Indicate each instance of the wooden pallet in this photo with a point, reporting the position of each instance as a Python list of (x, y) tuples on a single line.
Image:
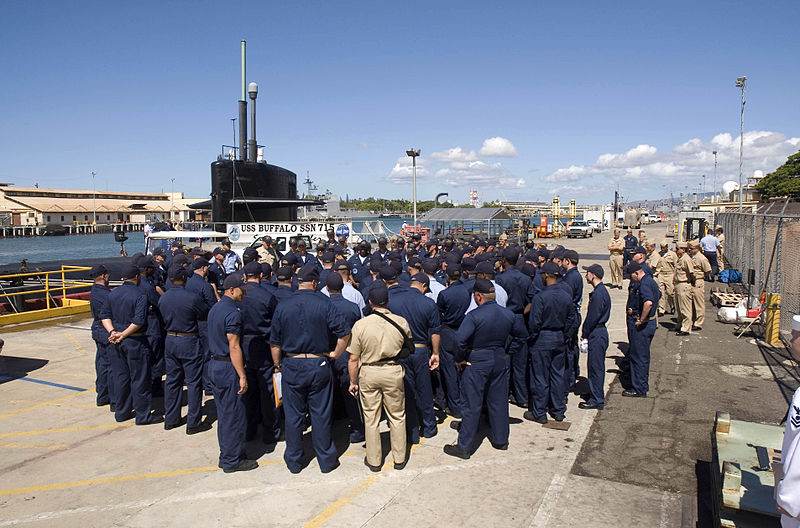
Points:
[(726, 298)]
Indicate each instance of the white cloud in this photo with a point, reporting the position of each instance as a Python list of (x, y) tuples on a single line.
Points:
[(454, 154), (462, 167), (638, 153), (403, 170), (571, 173), (687, 162), (479, 174), (567, 188), (366, 145), (498, 147)]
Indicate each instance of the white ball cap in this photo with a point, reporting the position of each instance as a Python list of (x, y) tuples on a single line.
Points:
[(796, 323)]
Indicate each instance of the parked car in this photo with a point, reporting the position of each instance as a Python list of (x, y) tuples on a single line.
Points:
[(579, 228), (595, 225)]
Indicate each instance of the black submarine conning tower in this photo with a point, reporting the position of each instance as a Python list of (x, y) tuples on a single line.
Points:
[(245, 188)]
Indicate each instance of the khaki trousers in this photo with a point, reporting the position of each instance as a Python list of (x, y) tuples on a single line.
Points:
[(615, 265), (667, 302), (683, 306), (381, 387), (699, 302)]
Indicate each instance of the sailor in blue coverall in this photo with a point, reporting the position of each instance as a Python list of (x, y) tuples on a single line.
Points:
[(483, 339), (125, 318), (301, 328), (182, 310), (552, 319), (228, 379)]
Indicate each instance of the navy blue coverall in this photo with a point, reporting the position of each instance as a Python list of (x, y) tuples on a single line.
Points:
[(257, 308), (351, 313), (572, 368), (130, 361), (303, 324), (552, 320), (223, 319), (197, 284), (155, 331), (104, 382), (452, 302), (181, 310), (517, 286), (423, 319), (639, 337), (595, 331), (483, 338)]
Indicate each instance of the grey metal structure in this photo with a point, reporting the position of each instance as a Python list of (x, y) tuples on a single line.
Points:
[(489, 221)]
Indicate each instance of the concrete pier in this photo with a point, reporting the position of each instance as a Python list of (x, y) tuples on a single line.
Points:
[(66, 462)]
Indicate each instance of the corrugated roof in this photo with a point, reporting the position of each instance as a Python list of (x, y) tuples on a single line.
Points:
[(465, 214), (58, 205)]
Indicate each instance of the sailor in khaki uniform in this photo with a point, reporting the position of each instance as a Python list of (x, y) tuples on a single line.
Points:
[(665, 276), (702, 267), (616, 247), (787, 489), (683, 280), (721, 248)]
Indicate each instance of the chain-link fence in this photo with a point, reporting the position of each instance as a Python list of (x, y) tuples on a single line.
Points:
[(769, 245)]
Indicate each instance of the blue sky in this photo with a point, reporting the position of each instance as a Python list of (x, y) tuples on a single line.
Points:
[(575, 99)]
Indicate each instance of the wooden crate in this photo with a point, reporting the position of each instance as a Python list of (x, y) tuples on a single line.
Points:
[(726, 298)]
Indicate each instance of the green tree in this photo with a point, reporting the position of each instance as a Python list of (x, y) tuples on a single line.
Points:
[(785, 181)]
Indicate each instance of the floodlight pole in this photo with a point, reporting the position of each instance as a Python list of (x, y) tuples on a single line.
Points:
[(414, 153), (94, 203), (715, 175), (740, 83)]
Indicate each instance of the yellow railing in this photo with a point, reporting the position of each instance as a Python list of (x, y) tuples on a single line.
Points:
[(52, 307)]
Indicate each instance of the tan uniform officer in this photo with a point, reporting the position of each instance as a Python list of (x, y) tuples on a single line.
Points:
[(683, 280), (702, 267), (616, 247), (379, 377), (721, 248), (652, 257), (666, 278)]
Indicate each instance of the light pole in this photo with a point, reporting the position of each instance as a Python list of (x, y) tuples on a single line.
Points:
[(704, 187), (715, 175), (172, 200), (94, 203), (740, 84), (414, 153)]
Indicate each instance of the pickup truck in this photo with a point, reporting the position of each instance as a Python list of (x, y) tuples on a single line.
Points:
[(579, 228), (595, 225)]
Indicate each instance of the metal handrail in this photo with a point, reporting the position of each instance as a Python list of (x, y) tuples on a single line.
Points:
[(31, 273), (63, 286), (48, 290)]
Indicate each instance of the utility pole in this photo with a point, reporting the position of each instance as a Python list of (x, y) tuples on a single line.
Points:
[(740, 83), (172, 198), (94, 203), (715, 175)]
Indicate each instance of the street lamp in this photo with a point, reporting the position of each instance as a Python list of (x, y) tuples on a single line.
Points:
[(704, 187), (740, 84), (172, 201), (715, 175), (414, 153), (94, 203)]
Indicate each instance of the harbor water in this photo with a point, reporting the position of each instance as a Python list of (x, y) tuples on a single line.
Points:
[(102, 245)]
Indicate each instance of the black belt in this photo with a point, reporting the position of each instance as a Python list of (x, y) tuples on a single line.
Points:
[(221, 358), (183, 334)]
